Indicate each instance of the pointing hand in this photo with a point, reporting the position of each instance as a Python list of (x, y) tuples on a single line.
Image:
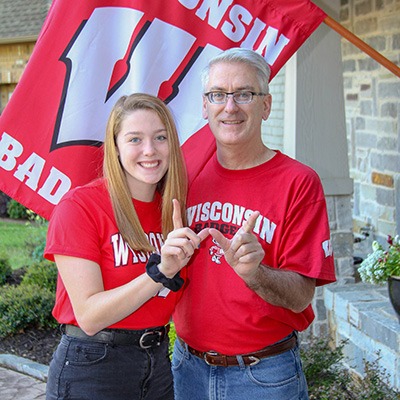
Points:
[(179, 245), (243, 252)]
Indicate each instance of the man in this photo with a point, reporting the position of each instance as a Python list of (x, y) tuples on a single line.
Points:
[(244, 303)]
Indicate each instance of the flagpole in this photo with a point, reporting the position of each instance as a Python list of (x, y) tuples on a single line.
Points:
[(341, 30)]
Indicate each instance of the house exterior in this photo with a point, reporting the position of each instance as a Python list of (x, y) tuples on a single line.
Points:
[(20, 24)]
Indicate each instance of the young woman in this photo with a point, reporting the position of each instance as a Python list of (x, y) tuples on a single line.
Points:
[(118, 278)]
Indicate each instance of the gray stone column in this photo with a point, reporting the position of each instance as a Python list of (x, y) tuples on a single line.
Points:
[(315, 134)]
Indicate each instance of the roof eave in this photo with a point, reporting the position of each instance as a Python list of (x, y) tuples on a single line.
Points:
[(18, 39)]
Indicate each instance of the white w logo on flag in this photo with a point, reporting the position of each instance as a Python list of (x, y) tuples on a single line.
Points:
[(87, 92)]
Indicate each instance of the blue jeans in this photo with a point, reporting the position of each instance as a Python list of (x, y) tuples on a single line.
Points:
[(277, 377), (88, 370)]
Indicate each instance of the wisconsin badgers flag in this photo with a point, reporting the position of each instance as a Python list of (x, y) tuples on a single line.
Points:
[(89, 53)]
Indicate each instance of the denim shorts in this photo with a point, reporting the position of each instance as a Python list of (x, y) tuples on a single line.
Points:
[(279, 377), (87, 370)]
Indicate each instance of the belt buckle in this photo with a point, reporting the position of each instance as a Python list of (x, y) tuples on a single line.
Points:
[(255, 360), (209, 353), (146, 335)]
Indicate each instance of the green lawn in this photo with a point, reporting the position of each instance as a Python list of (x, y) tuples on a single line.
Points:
[(17, 240)]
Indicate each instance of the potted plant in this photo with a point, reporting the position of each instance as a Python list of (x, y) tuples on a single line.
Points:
[(383, 266)]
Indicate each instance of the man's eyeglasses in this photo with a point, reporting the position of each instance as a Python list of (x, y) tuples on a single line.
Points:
[(240, 97)]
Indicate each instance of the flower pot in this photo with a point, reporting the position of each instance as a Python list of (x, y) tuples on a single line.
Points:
[(394, 293)]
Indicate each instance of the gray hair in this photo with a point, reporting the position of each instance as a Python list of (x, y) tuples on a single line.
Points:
[(244, 56)]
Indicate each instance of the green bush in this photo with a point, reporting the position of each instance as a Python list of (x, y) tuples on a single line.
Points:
[(32, 216), (42, 274), (5, 269), (375, 384), (327, 378), (322, 370), (172, 338), (25, 306), (38, 249), (16, 210), (36, 242)]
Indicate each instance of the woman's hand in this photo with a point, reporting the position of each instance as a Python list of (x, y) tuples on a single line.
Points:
[(180, 245)]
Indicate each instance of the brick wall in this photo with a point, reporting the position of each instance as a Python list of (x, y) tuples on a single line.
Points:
[(273, 128)]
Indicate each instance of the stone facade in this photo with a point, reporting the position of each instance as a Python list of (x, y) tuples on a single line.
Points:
[(359, 313), (362, 315), (339, 213), (372, 95)]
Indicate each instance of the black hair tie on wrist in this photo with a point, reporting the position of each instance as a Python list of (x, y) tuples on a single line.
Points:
[(154, 273)]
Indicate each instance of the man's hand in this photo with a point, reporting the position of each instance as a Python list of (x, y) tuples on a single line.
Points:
[(278, 287), (243, 252)]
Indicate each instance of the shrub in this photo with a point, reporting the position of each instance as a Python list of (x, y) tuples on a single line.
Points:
[(327, 379), (42, 274), (32, 216), (324, 376), (172, 338), (5, 269), (38, 249), (375, 384), (36, 242), (25, 306), (16, 210)]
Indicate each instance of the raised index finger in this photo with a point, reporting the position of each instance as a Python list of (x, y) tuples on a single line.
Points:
[(249, 225), (176, 214)]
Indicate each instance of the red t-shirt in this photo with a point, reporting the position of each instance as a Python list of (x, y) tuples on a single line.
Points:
[(217, 310), (83, 225)]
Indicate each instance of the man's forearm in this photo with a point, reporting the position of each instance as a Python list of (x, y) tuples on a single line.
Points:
[(283, 288)]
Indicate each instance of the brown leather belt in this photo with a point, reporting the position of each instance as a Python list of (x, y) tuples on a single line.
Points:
[(221, 360)]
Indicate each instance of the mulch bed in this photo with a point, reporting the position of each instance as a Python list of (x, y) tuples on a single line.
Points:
[(34, 344)]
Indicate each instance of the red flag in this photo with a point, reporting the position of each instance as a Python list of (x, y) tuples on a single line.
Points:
[(92, 52)]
